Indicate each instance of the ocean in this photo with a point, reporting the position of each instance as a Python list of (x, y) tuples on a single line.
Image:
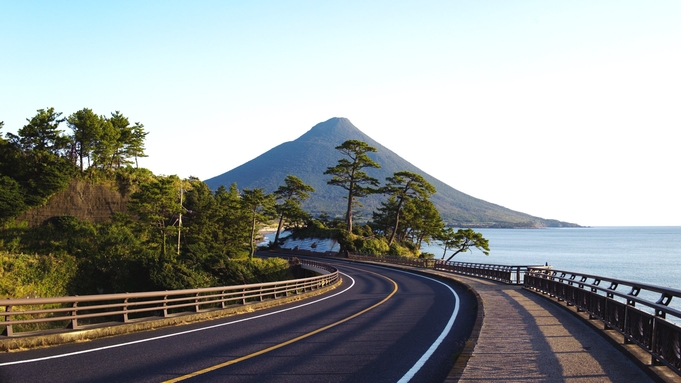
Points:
[(643, 254)]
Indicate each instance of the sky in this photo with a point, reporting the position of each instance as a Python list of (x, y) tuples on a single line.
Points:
[(562, 110)]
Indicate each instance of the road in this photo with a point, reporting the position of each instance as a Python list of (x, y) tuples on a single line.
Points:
[(380, 325)]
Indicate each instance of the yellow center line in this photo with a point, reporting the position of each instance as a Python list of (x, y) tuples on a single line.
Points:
[(280, 345)]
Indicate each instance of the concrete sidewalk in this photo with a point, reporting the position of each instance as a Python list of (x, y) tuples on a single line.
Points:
[(527, 338)]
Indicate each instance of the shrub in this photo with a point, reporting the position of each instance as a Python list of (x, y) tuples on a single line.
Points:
[(34, 276)]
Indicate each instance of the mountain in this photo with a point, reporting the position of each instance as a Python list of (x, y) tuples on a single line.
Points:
[(313, 152)]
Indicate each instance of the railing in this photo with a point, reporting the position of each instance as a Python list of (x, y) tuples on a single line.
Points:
[(76, 312), (501, 273), (642, 314)]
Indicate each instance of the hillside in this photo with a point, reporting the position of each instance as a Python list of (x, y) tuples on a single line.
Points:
[(312, 153), (84, 200)]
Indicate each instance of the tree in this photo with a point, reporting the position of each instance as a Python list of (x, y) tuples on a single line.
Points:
[(156, 204), (42, 134), (422, 221), (405, 186), (382, 218), (134, 145), (291, 195), (87, 129), (36, 158), (260, 209), (11, 199), (233, 221), (461, 241), (348, 173)]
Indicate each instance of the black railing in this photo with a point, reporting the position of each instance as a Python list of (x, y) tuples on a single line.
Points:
[(640, 312), (502, 273)]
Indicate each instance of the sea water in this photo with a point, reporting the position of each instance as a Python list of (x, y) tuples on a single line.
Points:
[(649, 255), (646, 254)]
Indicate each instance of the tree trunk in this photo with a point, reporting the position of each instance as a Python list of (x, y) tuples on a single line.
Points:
[(452, 256), (348, 215), (397, 222), (276, 236), (252, 238)]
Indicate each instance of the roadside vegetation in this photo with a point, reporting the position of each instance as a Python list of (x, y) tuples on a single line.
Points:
[(177, 233)]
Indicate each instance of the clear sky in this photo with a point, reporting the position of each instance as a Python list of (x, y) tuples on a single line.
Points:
[(568, 110)]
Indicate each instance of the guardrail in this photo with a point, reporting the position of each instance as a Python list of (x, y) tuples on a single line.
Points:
[(502, 273), (641, 314), (74, 312)]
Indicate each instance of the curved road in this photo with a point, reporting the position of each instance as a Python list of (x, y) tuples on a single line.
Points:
[(380, 325)]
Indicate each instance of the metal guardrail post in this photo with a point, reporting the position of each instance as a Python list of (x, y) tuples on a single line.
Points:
[(74, 315), (8, 327), (165, 306), (197, 304), (125, 310)]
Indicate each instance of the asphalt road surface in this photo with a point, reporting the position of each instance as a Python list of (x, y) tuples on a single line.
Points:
[(380, 325)]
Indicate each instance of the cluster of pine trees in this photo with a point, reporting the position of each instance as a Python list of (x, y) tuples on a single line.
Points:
[(403, 222), (41, 158), (177, 234)]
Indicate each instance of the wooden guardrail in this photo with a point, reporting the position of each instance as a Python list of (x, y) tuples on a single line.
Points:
[(640, 312), (73, 312)]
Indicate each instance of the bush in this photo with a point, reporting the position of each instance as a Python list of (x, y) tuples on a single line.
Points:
[(403, 249), (374, 246), (230, 272), (177, 276), (35, 276)]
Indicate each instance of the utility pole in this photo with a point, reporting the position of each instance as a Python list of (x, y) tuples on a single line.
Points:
[(179, 222)]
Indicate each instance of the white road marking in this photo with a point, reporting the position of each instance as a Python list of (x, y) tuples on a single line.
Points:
[(424, 358), (178, 333), (410, 374)]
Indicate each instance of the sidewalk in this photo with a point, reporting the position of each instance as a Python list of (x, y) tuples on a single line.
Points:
[(527, 338)]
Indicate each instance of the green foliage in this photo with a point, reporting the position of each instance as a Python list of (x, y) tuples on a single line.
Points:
[(349, 174), (245, 271), (316, 229), (106, 143), (396, 249), (461, 241), (128, 179), (42, 134), (373, 246), (35, 276), (172, 275), (404, 187), (290, 197), (12, 201), (130, 253), (157, 206), (259, 208)]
